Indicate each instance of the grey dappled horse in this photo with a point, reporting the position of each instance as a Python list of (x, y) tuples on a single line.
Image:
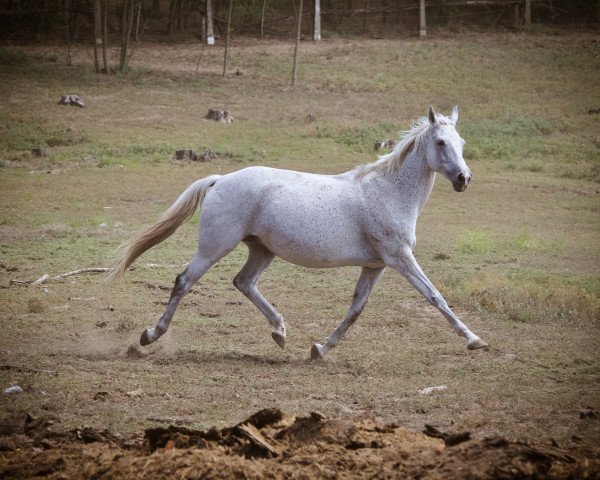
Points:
[(365, 217)]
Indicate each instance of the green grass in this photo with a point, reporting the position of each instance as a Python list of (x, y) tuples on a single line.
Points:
[(475, 241), (533, 297)]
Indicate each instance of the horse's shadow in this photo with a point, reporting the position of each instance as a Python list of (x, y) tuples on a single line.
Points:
[(195, 357)]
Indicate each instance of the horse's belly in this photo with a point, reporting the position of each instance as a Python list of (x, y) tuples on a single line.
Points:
[(318, 243)]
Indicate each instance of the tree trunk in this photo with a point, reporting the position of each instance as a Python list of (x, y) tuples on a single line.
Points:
[(298, 32), (171, 20), (422, 19), (105, 37), (227, 36), (67, 32), (126, 26), (137, 22), (262, 19), (317, 32), (202, 27), (97, 33), (527, 13), (178, 6), (74, 21)]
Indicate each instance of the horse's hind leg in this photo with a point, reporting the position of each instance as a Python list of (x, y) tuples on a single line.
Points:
[(183, 283), (366, 282), (246, 281)]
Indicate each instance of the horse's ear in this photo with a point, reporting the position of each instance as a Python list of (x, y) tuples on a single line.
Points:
[(454, 115), (432, 119)]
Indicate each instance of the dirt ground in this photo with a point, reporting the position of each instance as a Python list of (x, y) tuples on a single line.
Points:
[(270, 444)]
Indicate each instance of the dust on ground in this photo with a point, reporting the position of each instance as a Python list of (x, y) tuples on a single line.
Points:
[(270, 444)]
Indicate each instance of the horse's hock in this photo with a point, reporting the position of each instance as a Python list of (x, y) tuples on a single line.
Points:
[(219, 115)]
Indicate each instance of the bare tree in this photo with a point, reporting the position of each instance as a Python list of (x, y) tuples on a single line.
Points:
[(126, 25), (105, 36), (422, 20), (67, 32), (137, 22), (262, 19), (298, 32), (97, 33), (227, 36)]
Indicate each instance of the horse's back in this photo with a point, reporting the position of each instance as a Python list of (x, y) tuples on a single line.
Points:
[(308, 219)]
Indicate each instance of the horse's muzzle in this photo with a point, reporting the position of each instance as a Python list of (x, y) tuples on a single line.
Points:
[(461, 182)]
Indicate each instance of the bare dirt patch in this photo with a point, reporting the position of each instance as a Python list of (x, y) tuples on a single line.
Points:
[(270, 444)]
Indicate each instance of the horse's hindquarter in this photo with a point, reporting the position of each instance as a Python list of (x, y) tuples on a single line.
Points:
[(307, 219)]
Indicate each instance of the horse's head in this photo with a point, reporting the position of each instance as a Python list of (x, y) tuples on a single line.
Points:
[(444, 147)]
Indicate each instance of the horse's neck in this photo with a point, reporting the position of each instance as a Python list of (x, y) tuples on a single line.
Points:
[(413, 181)]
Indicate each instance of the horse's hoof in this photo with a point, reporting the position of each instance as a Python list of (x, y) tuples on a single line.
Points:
[(317, 351), (279, 339), (144, 339), (476, 344)]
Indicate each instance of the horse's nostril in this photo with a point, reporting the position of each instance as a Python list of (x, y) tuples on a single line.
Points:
[(461, 178)]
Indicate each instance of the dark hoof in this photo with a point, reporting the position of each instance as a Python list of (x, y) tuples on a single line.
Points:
[(144, 340), (279, 339), (316, 352)]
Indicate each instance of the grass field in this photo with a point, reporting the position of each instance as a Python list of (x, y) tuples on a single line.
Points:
[(517, 256)]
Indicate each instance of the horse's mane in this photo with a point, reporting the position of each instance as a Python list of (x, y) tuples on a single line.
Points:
[(391, 162)]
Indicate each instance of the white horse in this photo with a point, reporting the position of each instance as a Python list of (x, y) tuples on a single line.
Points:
[(365, 217)]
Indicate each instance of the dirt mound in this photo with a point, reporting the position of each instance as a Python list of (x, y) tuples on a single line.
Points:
[(272, 445)]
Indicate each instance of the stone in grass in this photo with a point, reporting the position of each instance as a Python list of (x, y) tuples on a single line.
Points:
[(39, 152), (12, 390), (219, 115), (189, 154), (74, 100)]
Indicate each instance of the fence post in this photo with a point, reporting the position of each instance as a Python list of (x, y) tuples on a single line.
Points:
[(317, 33), (527, 13), (422, 21), (210, 34)]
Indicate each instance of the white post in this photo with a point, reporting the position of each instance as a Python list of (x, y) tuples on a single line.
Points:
[(317, 33), (528, 13), (210, 34), (422, 22)]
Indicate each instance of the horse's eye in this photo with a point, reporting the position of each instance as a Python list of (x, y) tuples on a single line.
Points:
[(440, 142)]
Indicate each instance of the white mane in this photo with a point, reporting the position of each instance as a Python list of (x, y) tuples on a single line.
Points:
[(391, 162)]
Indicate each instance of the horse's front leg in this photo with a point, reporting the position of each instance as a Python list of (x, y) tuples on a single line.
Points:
[(367, 280), (406, 264)]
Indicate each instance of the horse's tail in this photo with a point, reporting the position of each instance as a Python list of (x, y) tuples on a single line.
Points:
[(177, 214)]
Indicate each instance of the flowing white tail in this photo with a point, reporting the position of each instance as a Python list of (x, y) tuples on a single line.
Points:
[(177, 214)]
